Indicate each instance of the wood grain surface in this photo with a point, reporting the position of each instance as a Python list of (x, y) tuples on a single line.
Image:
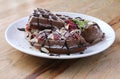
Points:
[(17, 65)]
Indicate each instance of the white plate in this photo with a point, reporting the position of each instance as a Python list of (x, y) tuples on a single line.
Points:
[(17, 39)]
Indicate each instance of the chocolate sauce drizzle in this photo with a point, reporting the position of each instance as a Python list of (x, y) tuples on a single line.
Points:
[(46, 36), (21, 29), (81, 52), (43, 43), (35, 13), (66, 45)]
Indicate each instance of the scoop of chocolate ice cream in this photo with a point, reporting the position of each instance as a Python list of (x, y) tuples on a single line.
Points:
[(92, 33)]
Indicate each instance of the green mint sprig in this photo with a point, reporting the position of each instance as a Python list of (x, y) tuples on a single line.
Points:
[(81, 23)]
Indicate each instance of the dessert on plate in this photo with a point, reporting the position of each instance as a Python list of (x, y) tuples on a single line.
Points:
[(61, 34)]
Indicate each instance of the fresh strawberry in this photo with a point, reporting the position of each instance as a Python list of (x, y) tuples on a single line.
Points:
[(71, 28), (27, 28), (72, 25)]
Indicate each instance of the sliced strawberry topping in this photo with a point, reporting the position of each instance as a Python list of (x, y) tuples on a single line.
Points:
[(56, 36), (71, 28), (72, 25), (32, 36), (27, 28), (41, 37), (76, 35)]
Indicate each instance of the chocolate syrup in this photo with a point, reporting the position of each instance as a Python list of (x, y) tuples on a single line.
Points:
[(43, 43), (46, 36), (21, 29)]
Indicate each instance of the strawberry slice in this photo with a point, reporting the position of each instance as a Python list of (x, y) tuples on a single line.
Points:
[(76, 35), (41, 37), (72, 25), (56, 36), (27, 28), (32, 36)]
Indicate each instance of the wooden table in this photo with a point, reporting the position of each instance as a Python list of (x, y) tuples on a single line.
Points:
[(17, 65)]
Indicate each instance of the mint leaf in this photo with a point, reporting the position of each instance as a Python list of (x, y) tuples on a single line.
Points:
[(81, 24)]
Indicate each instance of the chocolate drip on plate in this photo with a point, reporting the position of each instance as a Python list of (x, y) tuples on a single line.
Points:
[(21, 29)]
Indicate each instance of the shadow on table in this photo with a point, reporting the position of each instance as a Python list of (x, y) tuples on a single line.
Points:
[(54, 67)]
